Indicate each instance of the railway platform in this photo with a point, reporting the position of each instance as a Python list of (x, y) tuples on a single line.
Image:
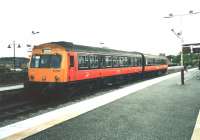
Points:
[(11, 87), (156, 109)]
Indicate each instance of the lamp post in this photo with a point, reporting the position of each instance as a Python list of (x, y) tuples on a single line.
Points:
[(14, 56), (179, 35)]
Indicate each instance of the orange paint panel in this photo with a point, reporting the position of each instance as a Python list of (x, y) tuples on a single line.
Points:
[(96, 73), (155, 68)]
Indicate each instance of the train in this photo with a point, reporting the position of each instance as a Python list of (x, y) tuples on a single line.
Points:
[(65, 63)]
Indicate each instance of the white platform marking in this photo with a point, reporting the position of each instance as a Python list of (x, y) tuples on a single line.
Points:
[(36, 124), (196, 131), (11, 87)]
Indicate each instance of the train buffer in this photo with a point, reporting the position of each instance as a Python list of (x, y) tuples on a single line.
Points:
[(159, 108)]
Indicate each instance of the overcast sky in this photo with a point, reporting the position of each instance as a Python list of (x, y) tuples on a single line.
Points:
[(120, 24)]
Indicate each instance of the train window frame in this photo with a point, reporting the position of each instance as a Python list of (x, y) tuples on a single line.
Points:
[(108, 61), (59, 58), (129, 62), (47, 64), (149, 62), (101, 61), (115, 62), (125, 59), (133, 61), (91, 61), (33, 61), (139, 61), (94, 62), (84, 64), (45, 61), (121, 61)]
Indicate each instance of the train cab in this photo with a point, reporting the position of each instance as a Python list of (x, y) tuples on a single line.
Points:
[(48, 64)]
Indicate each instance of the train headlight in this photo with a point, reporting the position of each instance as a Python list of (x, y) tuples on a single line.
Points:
[(43, 78), (57, 78), (32, 77)]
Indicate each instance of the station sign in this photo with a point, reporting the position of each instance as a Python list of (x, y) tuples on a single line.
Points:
[(186, 50), (46, 51)]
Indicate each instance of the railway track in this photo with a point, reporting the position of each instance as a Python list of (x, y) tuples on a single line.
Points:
[(15, 110), (17, 105)]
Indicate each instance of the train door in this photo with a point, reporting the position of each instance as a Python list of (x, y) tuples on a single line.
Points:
[(143, 62), (72, 70)]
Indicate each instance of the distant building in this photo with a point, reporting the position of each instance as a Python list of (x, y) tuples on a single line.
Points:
[(7, 62), (172, 60), (162, 54)]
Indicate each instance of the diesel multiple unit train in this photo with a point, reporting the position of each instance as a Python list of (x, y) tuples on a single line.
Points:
[(65, 63)]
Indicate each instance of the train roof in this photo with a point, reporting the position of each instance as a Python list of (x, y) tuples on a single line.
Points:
[(88, 49), (155, 56), (69, 46)]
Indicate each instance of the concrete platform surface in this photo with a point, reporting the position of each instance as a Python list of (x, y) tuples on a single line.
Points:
[(164, 111)]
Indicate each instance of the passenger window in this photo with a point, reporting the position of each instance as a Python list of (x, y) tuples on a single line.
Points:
[(129, 62), (102, 61), (83, 62), (125, 61), (121, 61), (115, 61), (55, 61), (71, 61), (133, 61), (94, 62), (108, 61), (138, 61)]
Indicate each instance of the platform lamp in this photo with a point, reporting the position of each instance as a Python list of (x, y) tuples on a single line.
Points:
[(101, 44), (14, 56), (179, 34), (34, 33)]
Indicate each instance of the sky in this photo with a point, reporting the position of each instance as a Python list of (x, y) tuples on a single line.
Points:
[(130, 25)]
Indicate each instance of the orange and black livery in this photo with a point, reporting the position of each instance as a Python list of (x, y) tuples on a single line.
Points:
[(65, 63)]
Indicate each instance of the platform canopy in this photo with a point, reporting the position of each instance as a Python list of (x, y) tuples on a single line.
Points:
[(194, 49), (191, 44)]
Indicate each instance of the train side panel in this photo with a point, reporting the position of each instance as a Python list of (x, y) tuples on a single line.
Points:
[(83, 74), (107, 72)]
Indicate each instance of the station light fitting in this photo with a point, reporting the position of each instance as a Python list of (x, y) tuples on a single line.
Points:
[(9, 46), (33, 32), (191, 12), (171, 15), (28, 45)]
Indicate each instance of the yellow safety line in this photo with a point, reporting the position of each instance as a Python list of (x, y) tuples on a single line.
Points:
[(196, 131)]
